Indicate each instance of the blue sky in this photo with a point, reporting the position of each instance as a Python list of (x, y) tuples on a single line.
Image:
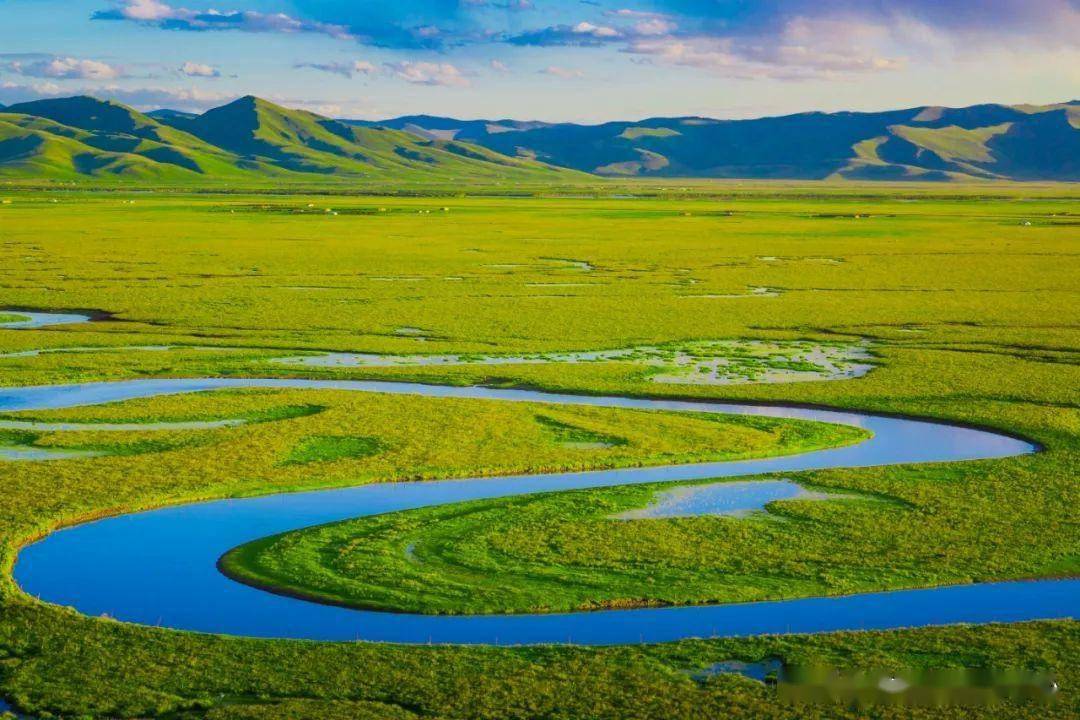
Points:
[(573, 60)]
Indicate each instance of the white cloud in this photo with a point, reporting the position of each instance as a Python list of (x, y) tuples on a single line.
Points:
[(345, 69), (516, 5), (66, 68), (563, 72), (142, 98), (319, 107), (194, 69), (14, 92), (146, 10), (654, 26), (428, 73), (499, 66), (171, 17), (628, 13), (596, 31), (191, 99), (804, 49)]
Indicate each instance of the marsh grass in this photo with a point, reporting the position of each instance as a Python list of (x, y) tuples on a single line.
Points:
[(327, 448)]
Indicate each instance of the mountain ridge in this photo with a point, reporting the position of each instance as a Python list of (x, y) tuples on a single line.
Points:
[(255, 140)]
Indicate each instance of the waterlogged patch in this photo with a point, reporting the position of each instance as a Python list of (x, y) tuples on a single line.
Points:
[(26, 445), (544, 264), (16, 453), (766, 670), (732, 499), (753, 291), (711, 362), (413, 332), (26, 320)]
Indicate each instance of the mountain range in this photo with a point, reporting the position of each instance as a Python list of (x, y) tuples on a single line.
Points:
[(1014, 142), (254, 140)]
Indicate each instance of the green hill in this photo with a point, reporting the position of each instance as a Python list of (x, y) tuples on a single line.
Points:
[(76, 136), (250, 139)]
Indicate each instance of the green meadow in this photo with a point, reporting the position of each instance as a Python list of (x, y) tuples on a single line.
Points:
[(964, 297)]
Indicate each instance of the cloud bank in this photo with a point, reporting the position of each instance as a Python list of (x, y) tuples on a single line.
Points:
[(170, 17)]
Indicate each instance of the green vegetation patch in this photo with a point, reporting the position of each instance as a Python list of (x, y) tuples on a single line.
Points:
[(575, 436), (633, 133), (954, 143), (327, 448)]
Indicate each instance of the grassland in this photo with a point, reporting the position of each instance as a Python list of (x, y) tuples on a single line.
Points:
[(968, 295)]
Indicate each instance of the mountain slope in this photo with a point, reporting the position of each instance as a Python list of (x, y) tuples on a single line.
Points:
[(248, 140), (42, 148), (260, 131), (1022, 142), (86, 136)]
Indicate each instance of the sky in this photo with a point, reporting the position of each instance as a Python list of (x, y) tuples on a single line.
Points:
[(555, 60)]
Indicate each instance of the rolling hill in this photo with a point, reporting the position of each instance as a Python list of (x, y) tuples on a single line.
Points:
[(249, 140), (1020, 142)]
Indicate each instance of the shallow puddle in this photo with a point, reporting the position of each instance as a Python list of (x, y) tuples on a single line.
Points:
[(733, 499), (759, 671), (21, 453)]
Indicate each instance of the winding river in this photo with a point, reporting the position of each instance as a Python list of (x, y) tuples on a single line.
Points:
[(159, 567)]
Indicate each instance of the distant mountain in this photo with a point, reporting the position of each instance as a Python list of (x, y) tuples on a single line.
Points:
[(165, 114), (249, 139), (1019, 142), (450, 129)]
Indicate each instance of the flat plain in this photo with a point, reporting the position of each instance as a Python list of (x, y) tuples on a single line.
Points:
[(963, 299)]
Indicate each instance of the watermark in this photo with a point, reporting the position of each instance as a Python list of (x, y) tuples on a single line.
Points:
[(922, 687)]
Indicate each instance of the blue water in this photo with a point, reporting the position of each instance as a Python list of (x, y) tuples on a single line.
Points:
[(754, 670), (34, 320), (159, 567), (733, 498)]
